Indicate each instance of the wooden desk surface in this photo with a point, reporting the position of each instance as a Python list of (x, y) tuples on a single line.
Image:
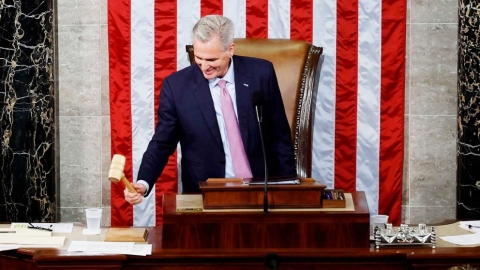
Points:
[(345, 258), (418, 257), (336, 258)]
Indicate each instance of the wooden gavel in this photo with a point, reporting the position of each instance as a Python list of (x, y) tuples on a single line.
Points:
[(116, 172)]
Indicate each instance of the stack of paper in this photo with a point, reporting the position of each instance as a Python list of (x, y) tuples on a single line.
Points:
[(56, 227), (30, 237), (466, 239)]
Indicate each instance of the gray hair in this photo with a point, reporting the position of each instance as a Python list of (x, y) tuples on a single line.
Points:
[(212, 25)]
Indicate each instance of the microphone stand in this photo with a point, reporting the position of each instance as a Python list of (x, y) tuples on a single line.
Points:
[(265, 197)]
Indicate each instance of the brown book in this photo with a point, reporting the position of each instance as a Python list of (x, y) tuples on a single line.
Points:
[(127, 235)]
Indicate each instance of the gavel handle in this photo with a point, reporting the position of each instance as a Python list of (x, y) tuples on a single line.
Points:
[(128, 185)]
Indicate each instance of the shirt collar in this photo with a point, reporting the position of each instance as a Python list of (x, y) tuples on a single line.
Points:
[(229, 76)]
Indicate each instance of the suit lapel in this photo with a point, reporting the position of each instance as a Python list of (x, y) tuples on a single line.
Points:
[(205, 102)]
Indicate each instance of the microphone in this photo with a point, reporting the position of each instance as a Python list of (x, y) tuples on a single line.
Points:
[(272, 261), (257, 101)]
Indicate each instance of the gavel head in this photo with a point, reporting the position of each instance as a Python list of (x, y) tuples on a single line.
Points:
[(116, 168)]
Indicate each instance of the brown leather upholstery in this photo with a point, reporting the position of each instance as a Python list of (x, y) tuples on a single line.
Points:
[(295, 64)]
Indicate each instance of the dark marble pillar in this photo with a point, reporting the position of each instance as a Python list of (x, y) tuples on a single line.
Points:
[(27, 110), (468, 144)]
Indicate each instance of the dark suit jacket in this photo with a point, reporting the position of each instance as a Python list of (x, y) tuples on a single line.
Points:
[(186, 114)]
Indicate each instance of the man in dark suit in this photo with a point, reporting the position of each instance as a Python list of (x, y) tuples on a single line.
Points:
[(191, 112)]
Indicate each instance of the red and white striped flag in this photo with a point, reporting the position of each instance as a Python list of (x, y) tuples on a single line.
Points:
[(359, 117)]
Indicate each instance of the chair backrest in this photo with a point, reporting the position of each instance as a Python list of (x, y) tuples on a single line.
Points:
[(295, 64)]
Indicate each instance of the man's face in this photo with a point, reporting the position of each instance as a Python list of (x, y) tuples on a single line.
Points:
[(211, 58)]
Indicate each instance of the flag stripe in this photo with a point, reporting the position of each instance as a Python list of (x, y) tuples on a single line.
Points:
[(119, 53), (257, 19), (392, 108), (188, 13), (346, 94), (142, 97), (236, 11), (368, 106), (278, 19), (211, 7), (165, 64), (301, 20), (324, 35)]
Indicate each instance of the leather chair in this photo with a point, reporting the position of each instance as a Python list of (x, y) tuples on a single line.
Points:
[(295, 64)]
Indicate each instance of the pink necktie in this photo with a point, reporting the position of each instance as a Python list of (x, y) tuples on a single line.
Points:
[(240, 161)]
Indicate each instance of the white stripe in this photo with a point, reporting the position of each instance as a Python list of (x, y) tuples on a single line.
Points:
[(324, 35), (278, 19), (368, 106), (142, 97), (235, 10), (188, 13)]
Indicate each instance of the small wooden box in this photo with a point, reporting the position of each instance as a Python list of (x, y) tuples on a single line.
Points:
[(333, 198), (127, 235)]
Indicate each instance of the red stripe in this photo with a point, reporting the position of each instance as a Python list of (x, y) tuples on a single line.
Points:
[(165, 64), (346, 95), (301, 20), (392, 108), (257, 19), (211, 7), (120, 107)]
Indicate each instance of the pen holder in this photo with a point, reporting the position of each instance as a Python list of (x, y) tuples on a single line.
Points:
[(333, 198)]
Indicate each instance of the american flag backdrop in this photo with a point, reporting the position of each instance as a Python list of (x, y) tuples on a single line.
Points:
[(359, 113)]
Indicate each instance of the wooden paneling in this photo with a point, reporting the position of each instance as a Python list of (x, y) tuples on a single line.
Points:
[(281, 229)]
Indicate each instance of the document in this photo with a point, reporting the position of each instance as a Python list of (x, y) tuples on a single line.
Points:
[(37, 241), (6, 232), (97, 247), (56, 227), (466, 239), (8, 247), (472, 225), (463, 240), (101, 247)]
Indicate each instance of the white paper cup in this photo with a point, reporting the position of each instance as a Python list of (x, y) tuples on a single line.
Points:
[(94, 215), (378, 220)]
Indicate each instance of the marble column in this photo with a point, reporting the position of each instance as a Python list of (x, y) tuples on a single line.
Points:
[(468, 144), (27, 110)]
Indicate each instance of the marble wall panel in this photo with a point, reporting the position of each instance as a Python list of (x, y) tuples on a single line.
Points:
[(79, 70), (432, 214), (27, 111), (80, 169), (433, 70), (104, 71), (81, 12), (468, 110), (106, 160), (433, 11), (432, 164), (406, 164), (84, 108)]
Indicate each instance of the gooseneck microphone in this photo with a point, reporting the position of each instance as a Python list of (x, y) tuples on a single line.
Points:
[(257, 102)]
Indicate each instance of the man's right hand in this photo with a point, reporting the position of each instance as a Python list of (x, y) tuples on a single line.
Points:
[(135, 198)]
